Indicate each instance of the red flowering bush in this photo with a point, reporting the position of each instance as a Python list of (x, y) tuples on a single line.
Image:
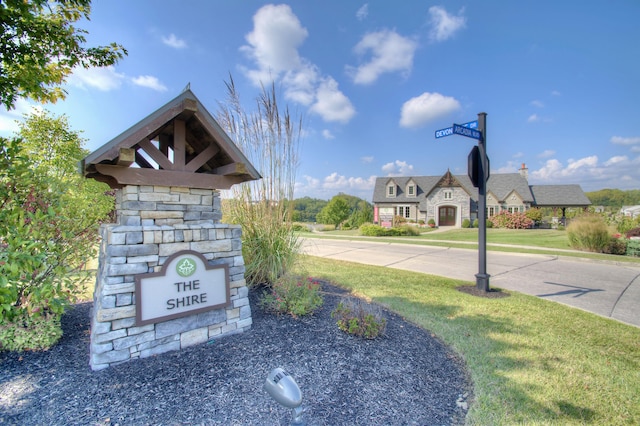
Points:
[(293, 295), (516, 220)]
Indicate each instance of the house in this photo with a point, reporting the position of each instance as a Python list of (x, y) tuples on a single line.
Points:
[(449, 199)]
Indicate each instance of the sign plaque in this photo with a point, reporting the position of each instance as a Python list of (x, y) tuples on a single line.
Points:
[(186, 285)]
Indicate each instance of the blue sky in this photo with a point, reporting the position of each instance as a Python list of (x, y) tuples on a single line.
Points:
[(559, 80)]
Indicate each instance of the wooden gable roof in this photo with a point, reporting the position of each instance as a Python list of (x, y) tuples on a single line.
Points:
[(180, 144)]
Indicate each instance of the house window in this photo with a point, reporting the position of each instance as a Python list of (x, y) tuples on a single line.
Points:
[(391, 191), (411, 190), (448, 195), (403, 211), (491, 211)]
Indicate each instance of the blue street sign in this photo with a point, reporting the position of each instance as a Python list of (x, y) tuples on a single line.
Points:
[(465, 131), (448, 131)]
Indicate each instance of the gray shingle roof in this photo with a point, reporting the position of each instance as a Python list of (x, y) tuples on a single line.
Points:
[(501, 185), (559, 196)]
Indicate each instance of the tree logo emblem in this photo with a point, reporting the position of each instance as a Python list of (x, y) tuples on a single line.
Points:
[(186, 267)]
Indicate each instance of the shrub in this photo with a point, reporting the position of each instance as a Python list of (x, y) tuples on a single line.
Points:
[(293, 295), (431, 222), (371, 230), (489, 223), (356, 317), (515, 220), (299, 227), (29, 333), (476, 223), (616, 246), (535, 214), (633, 248), (466, 223), (588, 232)]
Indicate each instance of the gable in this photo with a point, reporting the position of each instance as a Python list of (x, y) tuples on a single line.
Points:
[(180, 144)]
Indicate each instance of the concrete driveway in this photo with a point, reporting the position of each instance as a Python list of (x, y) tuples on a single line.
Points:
[(611, 290)]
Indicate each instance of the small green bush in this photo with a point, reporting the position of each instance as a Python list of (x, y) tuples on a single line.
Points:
[(489, 223), (476, 223), (299, 227), (293, 295), (30, 333), (431, 222), (466, 223), (588, 232), (633, 248), (371, 230), (358, 318)]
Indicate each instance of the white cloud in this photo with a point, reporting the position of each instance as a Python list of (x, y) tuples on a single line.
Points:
[(367, 159), (342, 183), (333, 184), (390, 52), (554, 171), (175, 42), (397, 168), (618, 159), (326, 133), (444, 26), (533, 118), (331, 104), (150, 82), (537, 103), (273, 47), (363, 12), (426, 107), (556, 93), (273, 43), (101, 78), (619, 140), (547, 153), (518, 154)]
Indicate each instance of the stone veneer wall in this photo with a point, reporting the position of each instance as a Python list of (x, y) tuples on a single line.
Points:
[(155, 222)]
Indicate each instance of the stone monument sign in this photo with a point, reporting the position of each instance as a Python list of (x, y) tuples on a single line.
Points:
[(170, 275)]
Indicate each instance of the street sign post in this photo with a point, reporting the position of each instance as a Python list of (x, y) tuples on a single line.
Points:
[(479, 174), (448, 131)]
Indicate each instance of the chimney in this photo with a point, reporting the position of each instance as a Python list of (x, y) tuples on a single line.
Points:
[(524, 172)]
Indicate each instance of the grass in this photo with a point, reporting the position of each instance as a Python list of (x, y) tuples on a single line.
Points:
[(540, 241), (531, 361)]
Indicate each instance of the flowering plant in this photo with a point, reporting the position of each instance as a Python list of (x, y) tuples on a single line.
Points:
[(293, 295)]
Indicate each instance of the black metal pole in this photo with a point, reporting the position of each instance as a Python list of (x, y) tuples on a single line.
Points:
[(482, 278)]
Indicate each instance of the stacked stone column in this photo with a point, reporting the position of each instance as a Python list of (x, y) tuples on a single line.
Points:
[(155, 222)]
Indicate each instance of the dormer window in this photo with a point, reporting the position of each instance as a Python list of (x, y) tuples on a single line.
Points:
[(411, 190), (391, 190)]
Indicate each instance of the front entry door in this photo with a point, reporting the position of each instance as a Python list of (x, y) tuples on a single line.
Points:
[(447, 216)]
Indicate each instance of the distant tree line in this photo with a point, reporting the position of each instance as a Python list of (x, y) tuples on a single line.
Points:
[(615, 198), (342, 210)]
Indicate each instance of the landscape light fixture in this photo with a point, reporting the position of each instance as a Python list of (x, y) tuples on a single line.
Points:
[(284, 389)]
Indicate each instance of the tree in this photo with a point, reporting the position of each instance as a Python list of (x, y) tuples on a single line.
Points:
[(40, 46), (335, 212), (49, 216)]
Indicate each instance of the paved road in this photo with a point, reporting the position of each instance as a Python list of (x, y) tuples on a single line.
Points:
[(607, 289)]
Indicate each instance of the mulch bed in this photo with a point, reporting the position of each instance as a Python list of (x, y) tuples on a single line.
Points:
[(406, 377)]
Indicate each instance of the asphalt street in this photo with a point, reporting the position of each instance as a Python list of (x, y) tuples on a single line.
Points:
[(609, 289)]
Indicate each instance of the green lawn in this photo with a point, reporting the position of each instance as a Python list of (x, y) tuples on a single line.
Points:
[(541, 241), (531, 361)]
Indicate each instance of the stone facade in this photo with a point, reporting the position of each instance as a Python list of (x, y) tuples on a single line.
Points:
[(155, 222)]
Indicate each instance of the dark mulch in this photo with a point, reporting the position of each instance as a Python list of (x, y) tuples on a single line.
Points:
[(406, 377), (493, 293)]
